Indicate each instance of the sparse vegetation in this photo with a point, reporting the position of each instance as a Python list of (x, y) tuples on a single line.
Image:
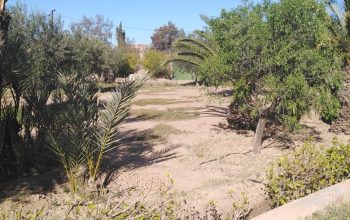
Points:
[(144, 102), (307, 170), (166, 115), (163, 131), (333, 212), (273, 61)]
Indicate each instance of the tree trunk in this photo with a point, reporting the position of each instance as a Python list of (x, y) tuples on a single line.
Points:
[(259, 132)]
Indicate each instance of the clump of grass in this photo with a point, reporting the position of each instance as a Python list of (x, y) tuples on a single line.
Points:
[(159, 101), (334, 212), (157, 86), (159, 133), (143, 102), (168, 115), (200, 150), (163, 131)]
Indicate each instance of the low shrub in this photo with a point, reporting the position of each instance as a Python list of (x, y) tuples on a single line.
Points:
[(308, 169), (127, 203)]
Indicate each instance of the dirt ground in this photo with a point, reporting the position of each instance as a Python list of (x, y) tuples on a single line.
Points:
[(180, 132), (205, 160)]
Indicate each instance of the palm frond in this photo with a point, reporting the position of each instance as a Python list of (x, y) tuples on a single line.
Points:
[(196, 42), (192, 54), (338, 14), (182, 59), (112, 117)]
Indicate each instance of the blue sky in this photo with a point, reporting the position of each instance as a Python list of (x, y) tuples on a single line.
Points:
[(139, 17)]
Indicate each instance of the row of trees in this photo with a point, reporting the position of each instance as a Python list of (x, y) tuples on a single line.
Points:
[(47, 77), (281, 59)]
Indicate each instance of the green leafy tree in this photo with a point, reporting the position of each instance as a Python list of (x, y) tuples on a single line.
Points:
[(153, 62), (98, 27), (164, 37), (125, 60), (280, 60)]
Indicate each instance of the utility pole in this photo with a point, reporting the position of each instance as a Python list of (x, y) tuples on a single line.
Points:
[(52, 11)]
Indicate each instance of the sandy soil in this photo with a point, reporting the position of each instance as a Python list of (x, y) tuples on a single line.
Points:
[(207, 161)]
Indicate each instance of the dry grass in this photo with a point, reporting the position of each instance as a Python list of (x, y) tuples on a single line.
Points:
[(155, 101), (161, 132), (334, 212), (200, 150), (174, 114)]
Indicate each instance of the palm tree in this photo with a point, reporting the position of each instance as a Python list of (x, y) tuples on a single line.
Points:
[(340, 12), (194, 49), (83, 140), (4, 22)]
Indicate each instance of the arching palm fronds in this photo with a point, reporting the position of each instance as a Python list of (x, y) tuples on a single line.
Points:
[(87, 132), (193, 50), (340, 12), (13, 81)]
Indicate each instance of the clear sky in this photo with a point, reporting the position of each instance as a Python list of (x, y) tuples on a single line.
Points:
[(139, 17)]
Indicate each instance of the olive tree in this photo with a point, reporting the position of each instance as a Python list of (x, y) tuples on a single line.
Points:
[(280, 60)]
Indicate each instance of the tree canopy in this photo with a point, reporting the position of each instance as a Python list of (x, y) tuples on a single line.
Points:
[(164, 37), (280, 60)]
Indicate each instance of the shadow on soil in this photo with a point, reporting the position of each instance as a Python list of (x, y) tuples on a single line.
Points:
[(287, 140), (18, 188), (215, 111), (133, 151)]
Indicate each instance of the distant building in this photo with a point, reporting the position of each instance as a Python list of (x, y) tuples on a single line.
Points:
[(141, 49)]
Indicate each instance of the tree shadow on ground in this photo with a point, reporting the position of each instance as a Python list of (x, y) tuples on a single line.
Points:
[(279, 139), (283, 139), (222, 92), (215, 111), (135, 149), (18, 188)]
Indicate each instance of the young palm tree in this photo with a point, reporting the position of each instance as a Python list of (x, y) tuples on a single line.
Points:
[(86, 133)]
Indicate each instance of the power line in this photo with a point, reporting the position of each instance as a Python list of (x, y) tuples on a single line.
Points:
[(114, 25), (126, 27)]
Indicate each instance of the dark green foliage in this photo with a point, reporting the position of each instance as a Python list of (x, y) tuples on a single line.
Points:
[(307, 170), (13, 82), (153, 62), (279, 58), (37, 51)]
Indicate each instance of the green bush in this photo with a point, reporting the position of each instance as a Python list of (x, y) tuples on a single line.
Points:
[(307, 170), (153, 62)]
